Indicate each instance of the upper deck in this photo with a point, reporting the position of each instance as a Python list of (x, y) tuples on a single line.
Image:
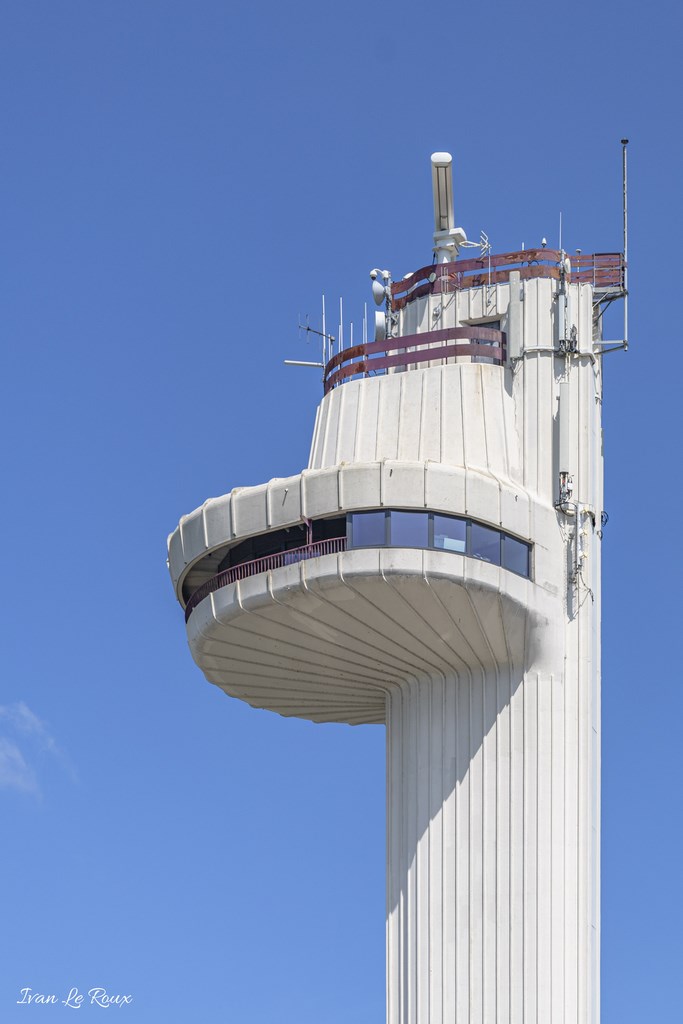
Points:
[(605, 272)]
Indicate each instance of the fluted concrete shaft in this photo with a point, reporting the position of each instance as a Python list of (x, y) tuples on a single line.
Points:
[(488, 851)]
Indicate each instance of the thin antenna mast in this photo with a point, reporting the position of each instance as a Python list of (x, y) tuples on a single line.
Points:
[(624, 144), (324, 333)]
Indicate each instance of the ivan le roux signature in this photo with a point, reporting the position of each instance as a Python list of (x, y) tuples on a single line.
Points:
[(75, 999)]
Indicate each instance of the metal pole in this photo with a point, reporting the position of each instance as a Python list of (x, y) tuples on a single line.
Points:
[(301, 362), (624, 144)]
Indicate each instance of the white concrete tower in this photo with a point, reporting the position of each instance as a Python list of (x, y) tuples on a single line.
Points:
[(437, 568)]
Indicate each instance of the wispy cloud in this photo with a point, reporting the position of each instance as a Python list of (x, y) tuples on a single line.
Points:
[(15, 773), (24, 738)]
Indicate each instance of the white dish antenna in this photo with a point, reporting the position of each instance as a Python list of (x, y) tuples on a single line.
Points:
[(381, 292), (378, 292)]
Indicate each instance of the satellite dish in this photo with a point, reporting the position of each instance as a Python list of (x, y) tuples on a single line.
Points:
[(378, 292), (380, 326)]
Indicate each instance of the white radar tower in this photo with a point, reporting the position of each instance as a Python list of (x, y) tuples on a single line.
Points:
[(436, 568)]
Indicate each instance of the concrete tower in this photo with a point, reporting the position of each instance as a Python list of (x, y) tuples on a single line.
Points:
[(437, 568)]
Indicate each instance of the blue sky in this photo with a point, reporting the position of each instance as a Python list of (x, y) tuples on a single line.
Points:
[(179, 182)]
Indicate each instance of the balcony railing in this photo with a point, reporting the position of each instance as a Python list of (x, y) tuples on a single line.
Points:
[(412, 349), (318, 548), (604, 270)]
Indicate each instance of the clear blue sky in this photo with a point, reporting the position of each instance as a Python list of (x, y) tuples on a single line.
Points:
[(180, 181)]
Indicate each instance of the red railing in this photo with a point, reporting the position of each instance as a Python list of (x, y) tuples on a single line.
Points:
[(240, 572), (603, 270), (410, 350)]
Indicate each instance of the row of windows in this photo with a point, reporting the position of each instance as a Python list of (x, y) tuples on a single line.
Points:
[(432, 530), (283, 540), (391, 527)]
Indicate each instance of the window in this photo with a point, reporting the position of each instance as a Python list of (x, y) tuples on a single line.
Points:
[(325, 529), (516, 555), (485, 543), (400, 528), (409, 530), (372, 529), (450, 533), (368, 529)]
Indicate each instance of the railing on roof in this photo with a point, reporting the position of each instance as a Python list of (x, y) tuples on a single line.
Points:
[(318, 548), (604, 270), (377, 357)]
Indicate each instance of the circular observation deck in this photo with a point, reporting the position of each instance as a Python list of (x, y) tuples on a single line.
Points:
[(327, 638)]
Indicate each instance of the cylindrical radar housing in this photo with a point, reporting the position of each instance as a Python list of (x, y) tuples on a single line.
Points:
[(442, 187)]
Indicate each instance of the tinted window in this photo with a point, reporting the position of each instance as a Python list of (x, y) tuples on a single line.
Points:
[(485, 543), (516, 555), (449, 533), (368, 529), (324, 529), (409, 529)]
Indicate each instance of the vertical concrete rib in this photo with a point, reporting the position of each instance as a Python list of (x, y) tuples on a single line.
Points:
[(471, 883)]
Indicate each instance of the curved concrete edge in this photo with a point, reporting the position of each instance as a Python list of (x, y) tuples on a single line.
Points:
[(329, 638), (248, 511)]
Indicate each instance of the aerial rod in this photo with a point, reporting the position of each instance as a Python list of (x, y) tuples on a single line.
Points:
[(624, 169), (303, 362), (328, 340), (327, 343), (312, 330)]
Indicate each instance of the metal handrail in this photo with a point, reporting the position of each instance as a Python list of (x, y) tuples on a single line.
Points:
[(410, 349), (602, 269), (317, 549)]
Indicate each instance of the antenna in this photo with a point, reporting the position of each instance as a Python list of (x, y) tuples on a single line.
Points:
[(447, 238), (624, 144), (559, 246), (327, 339), (442, 187), (484, 244)]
